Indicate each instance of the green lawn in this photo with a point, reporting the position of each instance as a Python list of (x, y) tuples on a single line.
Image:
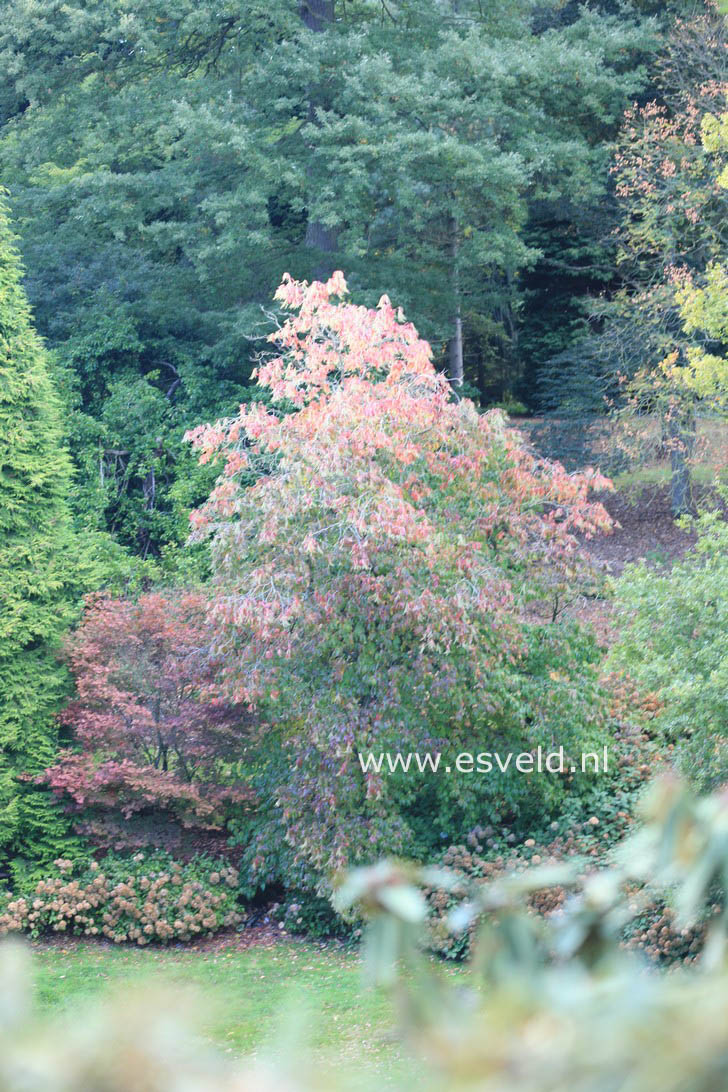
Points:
[(661, 475), (244, 1001)]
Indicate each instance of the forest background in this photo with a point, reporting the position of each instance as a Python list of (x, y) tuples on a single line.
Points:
[(167, 163)]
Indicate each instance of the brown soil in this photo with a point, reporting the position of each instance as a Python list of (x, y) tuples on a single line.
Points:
[(253, 936), (646, 529)]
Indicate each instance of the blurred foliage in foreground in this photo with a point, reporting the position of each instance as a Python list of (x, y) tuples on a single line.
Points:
[(555, 1002)]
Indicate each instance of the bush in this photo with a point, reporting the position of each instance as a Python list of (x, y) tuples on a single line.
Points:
[(511, 406), (664, 940), (144, 898), (549, 1003), (556, 1001), (675, 642), (588, 829), (313, 916)]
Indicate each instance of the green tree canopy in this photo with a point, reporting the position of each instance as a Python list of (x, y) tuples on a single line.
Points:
[(168, 164)]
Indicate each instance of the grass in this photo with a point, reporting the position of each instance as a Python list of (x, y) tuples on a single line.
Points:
[(245, 1001), (661, 475), (709, 458)]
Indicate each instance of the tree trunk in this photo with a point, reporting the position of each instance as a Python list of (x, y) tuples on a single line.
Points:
[(317, 15), (681, 441), (455, 346), (325, 239)]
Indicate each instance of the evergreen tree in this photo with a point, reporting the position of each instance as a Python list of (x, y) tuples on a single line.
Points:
[(37, 559)]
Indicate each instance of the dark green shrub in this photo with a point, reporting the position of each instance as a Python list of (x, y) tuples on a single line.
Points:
[(313, 916), (588, 827)]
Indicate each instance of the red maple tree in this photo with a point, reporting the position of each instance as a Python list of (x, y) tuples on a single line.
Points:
[(149, 736)]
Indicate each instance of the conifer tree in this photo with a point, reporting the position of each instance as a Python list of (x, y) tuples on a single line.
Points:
[(37, 560)]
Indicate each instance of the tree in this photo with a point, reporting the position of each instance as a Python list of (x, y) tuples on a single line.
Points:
[(151, 745), (392, 582), (37, 574), (126, 278), (429, 130), (674, 641), (672, 226), (703, 303), (670, 178)]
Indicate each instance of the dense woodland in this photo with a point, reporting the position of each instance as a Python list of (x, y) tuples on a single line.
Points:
[(275, 280)]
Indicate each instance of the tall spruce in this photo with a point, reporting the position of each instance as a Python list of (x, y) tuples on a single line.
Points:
[(36, 566)]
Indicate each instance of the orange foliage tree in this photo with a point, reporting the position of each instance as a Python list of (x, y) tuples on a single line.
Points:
[(393, 581)]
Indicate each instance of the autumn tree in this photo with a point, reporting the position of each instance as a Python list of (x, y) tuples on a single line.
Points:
[(152, 747), (669, 177), (390, 583), (703, 303), (37, 575), (672, 226), (674, 631)]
